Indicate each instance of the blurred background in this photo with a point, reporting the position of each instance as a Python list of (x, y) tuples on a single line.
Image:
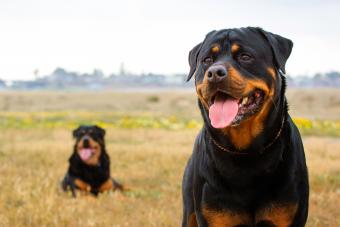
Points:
[(122, 65)]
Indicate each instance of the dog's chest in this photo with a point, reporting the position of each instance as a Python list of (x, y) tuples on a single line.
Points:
[(272, 215), (221, 209)]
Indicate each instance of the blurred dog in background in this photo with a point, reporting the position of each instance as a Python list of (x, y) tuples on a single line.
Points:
[(89, 168)]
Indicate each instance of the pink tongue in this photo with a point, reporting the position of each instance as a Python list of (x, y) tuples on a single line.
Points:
[(223, 112), (85, 153)]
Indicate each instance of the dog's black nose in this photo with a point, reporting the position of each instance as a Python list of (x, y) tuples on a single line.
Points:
[(216, 73), (86, 143)]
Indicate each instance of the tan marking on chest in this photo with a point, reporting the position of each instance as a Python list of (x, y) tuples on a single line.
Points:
[(225, 218), (279, 215), (192, 222), (243, 135)]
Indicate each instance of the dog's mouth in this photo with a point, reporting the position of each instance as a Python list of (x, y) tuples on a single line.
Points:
[(86, 153), (226, 110)]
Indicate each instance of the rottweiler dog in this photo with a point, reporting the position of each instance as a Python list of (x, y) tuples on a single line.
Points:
[(248, 165), (89, 164)]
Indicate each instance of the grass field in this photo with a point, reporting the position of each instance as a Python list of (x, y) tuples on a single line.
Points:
[(148, 155)]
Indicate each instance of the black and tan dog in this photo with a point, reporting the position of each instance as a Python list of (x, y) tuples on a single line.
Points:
[(89, 164), (248, 166)]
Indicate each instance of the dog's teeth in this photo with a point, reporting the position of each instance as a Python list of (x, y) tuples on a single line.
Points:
[(244, 100)]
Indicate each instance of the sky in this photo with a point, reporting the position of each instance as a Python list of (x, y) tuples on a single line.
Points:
[(153, 35)]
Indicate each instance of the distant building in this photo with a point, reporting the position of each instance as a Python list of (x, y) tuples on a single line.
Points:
[(60, 79), (2, 84)]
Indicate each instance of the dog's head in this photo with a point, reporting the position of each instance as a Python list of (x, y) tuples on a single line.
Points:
[(237, 76), (89, 144)]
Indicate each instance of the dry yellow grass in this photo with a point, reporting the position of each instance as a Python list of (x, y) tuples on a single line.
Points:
[(149, 161), (323, 160), (320, 103)]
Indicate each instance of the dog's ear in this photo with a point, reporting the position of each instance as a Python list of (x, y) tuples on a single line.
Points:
[(101, 132), (281, 47), (193, 54), (76, 132)]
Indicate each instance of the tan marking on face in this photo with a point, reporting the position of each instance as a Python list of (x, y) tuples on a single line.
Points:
[(83, 186), (215, 49), (201, 90), (248, 85), (226, 218), (234, 83), (234, 48), (271, 71), (242, 135), (107, 185), (192, 222), (236, 78), (94, 159), (279, 215)]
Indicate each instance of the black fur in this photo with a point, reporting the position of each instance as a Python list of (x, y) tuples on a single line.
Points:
[(247, 183)]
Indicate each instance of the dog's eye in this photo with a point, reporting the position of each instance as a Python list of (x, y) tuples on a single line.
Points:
[(208, 60), (81, 133), (244, 57)]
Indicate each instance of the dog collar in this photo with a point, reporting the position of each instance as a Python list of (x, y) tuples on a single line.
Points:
[(247, 153)]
